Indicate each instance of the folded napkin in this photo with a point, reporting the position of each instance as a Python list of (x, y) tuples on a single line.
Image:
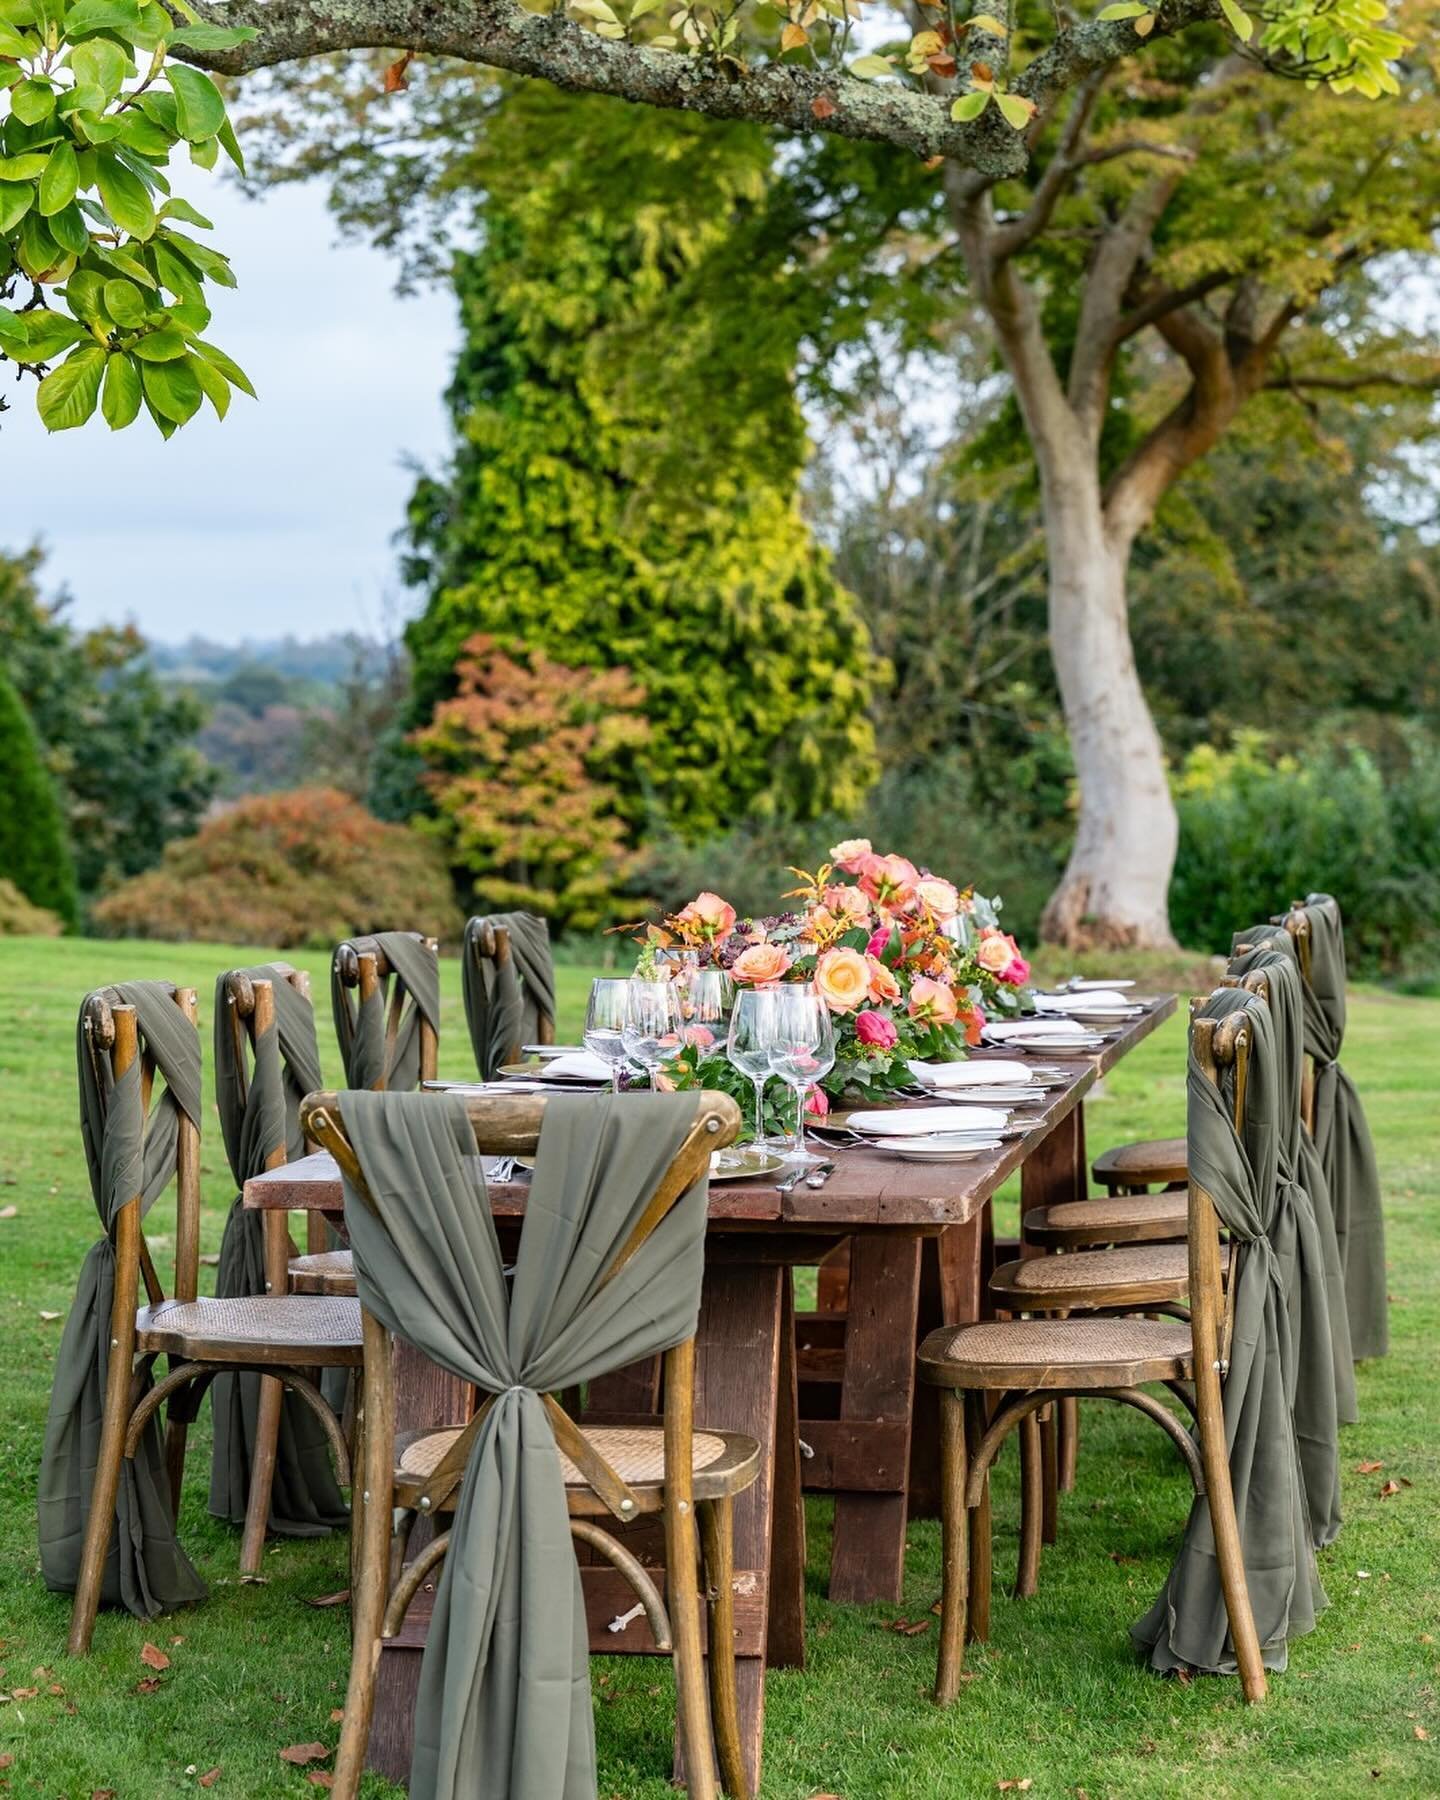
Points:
[(907, 1121), (1092, 1000), (996, 1073), (580, 1065), (1038, 1031)]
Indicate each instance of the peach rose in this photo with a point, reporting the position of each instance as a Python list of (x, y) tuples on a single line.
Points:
[(932, 1002), (938, 897), (848, 903), (889, 880), (761, 963), (850, 855), (994, 951), (883, 985), (707, 917), (842, 979)]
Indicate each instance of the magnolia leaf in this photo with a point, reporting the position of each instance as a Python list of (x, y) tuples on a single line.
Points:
[(969, 106), (15, 202), (66, 397), (14, 332), (102, 64), (31, 101), (124, 196), (200, 112), (230, 369), (162, 345), (1016, 111), (213, 384), (641, 7), (230, 145), (868, 67), (60, 180), (23, 168), (172, 388), (69, 232), (927, 43), (1240, 22), (182, 209), (12, 44), (988, 22), (395, 82), (49, 333), (119, 16), (125, 304)]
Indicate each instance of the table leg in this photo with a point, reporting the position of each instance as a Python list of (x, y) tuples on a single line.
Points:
[(868, 1557), (737, 1381), (785, 1639)]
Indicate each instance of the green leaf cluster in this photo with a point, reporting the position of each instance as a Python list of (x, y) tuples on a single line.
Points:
[(101, 293)]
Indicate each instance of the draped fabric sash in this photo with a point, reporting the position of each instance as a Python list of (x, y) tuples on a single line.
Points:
[(146, 1571), (361, 1025), (504, 1700), (505, 1002), (1342, 1136), (258, 1117), (1187, 1627)]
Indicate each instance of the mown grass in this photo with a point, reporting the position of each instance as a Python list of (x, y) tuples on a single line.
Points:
[(1055, 1698)]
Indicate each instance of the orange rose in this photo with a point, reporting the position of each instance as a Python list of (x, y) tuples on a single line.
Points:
[(889, 881), (994, 951), (707, 917), (761, 963), (842, 978), (932, 1002), (883, 985)]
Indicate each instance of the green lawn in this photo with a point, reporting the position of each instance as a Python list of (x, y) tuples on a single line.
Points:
[(1056, 1697)]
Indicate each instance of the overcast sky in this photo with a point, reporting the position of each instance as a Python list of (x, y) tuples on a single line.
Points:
[(281, 518)]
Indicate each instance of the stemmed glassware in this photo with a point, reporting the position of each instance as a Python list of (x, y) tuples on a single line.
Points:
[(651, 1032), (752, 1032), (605, 1025), (802, 1053), (707, 998)]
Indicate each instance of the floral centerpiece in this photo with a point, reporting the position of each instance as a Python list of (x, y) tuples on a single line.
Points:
[(909, 965)]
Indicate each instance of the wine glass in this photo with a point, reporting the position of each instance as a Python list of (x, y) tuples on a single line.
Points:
[(605, 1026), (802, 1053), (752, 1029), (652, 1024), (707, 999)]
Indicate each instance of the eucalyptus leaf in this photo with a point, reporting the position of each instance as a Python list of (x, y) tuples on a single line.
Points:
[(67, 396)]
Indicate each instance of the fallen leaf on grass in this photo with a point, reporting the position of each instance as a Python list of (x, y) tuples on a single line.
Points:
[(1022, 1786), (339, 1599), (24, 1693), (48, 1318), (6, 1761), (320, 1778), (151, 1684), (8, 1212), (154, 1657), (211, 1262), (906, 1627), (1422, 1734), (102, 1794), (337, 1713), (1369, 1468), (210, 1777), (300, 1754)]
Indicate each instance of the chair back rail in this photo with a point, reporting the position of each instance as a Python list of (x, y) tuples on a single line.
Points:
[(361, 963)]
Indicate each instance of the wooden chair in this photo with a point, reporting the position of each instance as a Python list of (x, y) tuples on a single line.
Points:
[(494, 977), (267, 1334), (1026, 1364), (671, 1471)]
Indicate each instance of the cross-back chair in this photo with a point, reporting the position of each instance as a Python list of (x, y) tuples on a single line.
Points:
[(201, 1338), (672, 1471), (508, 982), (1026, 1364), (383, 976)]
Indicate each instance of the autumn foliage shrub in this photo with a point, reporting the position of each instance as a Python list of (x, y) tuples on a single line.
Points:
[(20, 918), (308, 867)]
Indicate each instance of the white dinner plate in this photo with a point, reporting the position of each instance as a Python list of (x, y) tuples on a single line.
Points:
[(994, 1072), (944, 1147), (546, 1051), (911, 1121)]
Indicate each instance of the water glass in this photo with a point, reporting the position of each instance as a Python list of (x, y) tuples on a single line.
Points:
[(752, 1031), (707, 999), (605, 1026), (802, 1053), (652, 1024)]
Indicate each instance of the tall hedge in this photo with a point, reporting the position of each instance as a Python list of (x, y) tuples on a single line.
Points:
[(623, 491), (34, 849)]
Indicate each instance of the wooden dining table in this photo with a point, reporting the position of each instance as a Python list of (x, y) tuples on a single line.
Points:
[(919, 1237)]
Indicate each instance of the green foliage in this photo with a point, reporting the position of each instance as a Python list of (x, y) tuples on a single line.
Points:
[(119, 744), (308, 867), (93, 111), (1259, 830), (514, 766), (574, 519), (34, 850), (19, 918)]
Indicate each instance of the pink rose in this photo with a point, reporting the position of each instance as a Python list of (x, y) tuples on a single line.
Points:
[(932, 1002), (938, 897), (818, 1103), (889, 880), (761, 963), (883, 985), (707, 917), (842, 979), (700, 1036), (850, 855), (878, 942), (874, 1028), (1016, 973)]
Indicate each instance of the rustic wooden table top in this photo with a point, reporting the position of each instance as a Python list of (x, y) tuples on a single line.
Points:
[(868, 1188)]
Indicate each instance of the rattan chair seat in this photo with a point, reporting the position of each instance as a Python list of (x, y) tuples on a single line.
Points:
[(1120, 1219), (724, 1462), (323, 1272), (1134, 1275), (1056, 1353), (288, 1330), (1152, 1163)]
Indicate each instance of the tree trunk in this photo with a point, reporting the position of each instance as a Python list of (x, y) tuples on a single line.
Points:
[(1114, 889)]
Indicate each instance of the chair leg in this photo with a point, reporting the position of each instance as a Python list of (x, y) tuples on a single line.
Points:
[(1050, 1473), (1069, 1442), (717, 1544), (955, 1542), (1032, 1507), (369, 1589), (262, 1474), (978, 1624), (1229, 1554), (100, 1519), (177, 1433), (683, 1595)]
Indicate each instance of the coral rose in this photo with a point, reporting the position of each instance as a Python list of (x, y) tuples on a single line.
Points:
[(818, 1103), (761, 963), (874, 1028), (883, 985), (938, 897), (932, 1002), (707, 917), (842, 979), (994, 951), (848, 903), (850, 855), (889, 880), (974, 1020)]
